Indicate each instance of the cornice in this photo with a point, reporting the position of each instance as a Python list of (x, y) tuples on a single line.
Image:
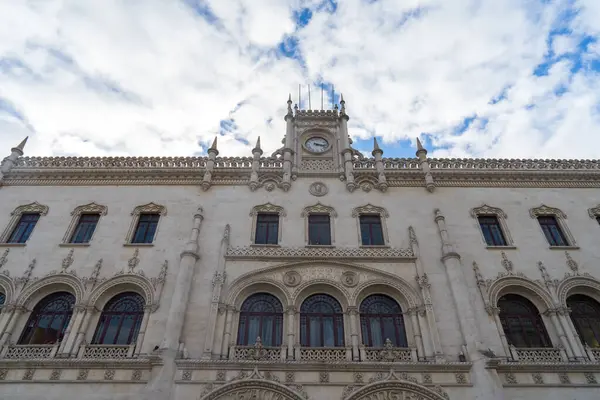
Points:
[(202, 364), (400, 172), (543, 367), (137, 363)]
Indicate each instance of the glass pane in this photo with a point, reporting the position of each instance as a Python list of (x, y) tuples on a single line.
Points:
[(253, 329), (242, 340), (389, 330), (267, 330), (315, 339), (127, 326), (261, 234), (377, 235), (376, 337)]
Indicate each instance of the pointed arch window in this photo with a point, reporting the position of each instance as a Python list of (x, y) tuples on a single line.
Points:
[(120, 320), (23, 221), (261, 315), (380, 319), (522, 322), (49, 319), (585, 314), (321, 322)]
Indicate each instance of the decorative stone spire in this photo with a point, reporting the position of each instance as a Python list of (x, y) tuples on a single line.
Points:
[(347, 151), (257, 148), (343, 106), (213, 147), (9, 162), (289, 106), (378, 154), (422, 155), (20, 147), (256, 153), (210, 165)]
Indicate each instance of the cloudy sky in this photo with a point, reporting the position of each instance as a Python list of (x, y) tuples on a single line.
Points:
[(472, 78)]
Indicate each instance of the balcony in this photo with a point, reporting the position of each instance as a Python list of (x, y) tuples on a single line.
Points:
[(388, 353), (536, 355), (29, 351), (258, 352), (106, 352)]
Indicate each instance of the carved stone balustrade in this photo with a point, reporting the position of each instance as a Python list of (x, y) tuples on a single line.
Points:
[(323, 354), (388, 353), (106, 352), (593, 353), (259, 353), (539, 355), (29, 351)]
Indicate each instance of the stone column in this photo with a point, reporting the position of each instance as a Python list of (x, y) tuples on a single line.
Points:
[(83, 329), (560, 331), (354, 329), (422, 155), (414, 320), (505, 345), (210, 165), (575, 335), (230, 312), (563, 316), (291, 331), (423, 282), (160, 386), (73, 326), (426, 336), (16, 312), (217, 283), (486, 383), (143, 327)]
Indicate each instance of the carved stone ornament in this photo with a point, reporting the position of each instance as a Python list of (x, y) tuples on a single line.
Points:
[(350, 279), (370, 209), (319, 209), (149, 208), (268, 208), (34, 207), (91, 208), (255, 386), (487, 210), (545, 210), (594, 212), (393, 387), (292, 278), (318, 189)]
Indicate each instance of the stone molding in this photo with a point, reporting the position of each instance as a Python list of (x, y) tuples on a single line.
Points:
[(400, 172), (484, 210), (335, 253), (34, 207), (267, 208), (561, 219), (145, 208), (91, 208), (594, 212)]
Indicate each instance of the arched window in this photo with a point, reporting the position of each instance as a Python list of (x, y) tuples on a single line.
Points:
[(380, 319), (2, 299), (321, 322), (585, 314), (261, 315), (522, 323), (120, 320), (49, 319)]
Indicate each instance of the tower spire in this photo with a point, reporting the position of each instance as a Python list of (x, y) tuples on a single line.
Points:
[(213, 146), (289, 105), (257, 148), (20, 147), (342, 104)]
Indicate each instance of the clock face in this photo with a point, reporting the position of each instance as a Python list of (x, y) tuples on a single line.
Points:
[(317, 144)]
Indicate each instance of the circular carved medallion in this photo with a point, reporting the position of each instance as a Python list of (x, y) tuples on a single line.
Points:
[(318, 189), (349, 279), (292, 278)]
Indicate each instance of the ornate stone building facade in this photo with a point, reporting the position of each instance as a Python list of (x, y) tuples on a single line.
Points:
[(314, 273)]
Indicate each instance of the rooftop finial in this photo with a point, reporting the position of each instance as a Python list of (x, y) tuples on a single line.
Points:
[(343, 104), (289, 105), (21, 146), (213, 146), (421, 151), (419, 145), (375, 144), (257, 148), (376, 149)]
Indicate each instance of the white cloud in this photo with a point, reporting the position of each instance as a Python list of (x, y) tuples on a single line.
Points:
[(156, 78)]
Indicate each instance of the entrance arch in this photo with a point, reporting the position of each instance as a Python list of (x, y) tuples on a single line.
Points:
[(396, 390), (252, 389)]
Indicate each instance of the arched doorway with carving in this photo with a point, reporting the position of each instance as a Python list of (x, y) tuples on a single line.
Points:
[(394, 388), (253, 389)]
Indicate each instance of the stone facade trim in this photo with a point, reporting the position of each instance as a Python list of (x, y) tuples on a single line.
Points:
[(267, 208), (485, 210), (91, 208), (146, 208), (34, 207)]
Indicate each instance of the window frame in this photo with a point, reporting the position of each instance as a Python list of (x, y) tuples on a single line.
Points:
[(267, 208), (371, 210), (560, 217), (31, 208), (319, 209), (277, 315), (76, 214), (399, 322), (339, 337), (576, 317), (135, 330), (489, 211), (35, 316), (539, 323), (150, 208), (594, 213)]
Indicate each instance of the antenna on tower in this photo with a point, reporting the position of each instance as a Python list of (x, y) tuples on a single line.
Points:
[(299, 96), (321, 96), (332, 95), (309, 105)]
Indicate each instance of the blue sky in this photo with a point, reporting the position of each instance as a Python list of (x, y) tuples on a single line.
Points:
[(472, 78)]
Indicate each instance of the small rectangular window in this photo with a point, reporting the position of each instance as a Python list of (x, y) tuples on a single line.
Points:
[(85, 228), (267, 228), (552, 231), (22, 230), (319, 229), (371, 232), (492, 232), (146, 228)]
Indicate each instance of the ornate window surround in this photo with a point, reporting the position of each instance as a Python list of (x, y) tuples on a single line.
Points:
[(34, 207), (561, 217), (319, 209), (146, 208), (267, 208), (369, 209), (91, 208), (486, 210)]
